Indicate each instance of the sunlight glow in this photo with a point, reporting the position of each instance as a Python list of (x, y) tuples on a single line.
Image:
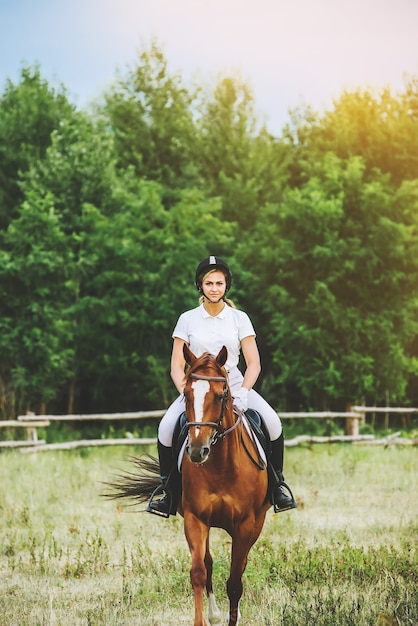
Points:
[(286, 51)]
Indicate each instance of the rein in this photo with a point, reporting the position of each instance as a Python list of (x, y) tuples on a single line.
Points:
[(220, 434)]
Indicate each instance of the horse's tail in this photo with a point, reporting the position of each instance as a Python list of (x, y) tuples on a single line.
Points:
[(138, 486)]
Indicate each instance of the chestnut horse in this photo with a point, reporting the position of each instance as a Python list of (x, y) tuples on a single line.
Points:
[(222, 486)]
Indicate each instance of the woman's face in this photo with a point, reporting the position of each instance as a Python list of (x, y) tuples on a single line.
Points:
[(214, 286)]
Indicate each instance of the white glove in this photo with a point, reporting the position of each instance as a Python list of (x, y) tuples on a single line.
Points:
[(241, 398)]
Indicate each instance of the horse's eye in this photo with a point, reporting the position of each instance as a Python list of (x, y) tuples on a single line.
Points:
[(220, 397)]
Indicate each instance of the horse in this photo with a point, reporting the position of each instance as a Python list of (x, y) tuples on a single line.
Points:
[(224, 482)]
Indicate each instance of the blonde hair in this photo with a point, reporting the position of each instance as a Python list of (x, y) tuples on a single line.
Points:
[(226, 300)]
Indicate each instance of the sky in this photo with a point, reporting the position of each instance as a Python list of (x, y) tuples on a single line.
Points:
[(291, 52)]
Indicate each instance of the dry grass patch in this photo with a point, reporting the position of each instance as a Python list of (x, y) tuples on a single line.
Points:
[(347, 555)]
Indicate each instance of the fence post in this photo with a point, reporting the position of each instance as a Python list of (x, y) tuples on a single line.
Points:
[(31, 433), (351, 423)]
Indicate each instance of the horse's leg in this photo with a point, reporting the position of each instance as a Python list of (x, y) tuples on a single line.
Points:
[(197, 535), (243, 539), (215, 616)]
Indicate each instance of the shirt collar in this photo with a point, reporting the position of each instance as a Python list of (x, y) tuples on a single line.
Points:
[(221, 314)]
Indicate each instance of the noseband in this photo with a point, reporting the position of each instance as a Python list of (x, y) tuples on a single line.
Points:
[(220, 434)]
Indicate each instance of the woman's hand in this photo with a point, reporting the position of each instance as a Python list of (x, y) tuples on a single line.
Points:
[(240, 398)]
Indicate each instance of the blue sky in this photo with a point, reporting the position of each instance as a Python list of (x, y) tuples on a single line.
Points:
[(290, 51)]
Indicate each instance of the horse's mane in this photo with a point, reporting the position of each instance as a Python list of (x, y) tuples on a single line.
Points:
[(205, 362)]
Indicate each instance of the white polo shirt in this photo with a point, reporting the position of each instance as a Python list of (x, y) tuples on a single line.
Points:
[(205, 333)]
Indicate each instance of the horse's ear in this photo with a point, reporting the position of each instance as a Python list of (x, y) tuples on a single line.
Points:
[(222, 356), (188, 354)]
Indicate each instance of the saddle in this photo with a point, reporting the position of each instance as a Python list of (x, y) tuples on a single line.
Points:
[(259, 428)]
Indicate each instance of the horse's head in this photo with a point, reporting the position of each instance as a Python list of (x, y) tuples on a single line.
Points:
[(207, 394)]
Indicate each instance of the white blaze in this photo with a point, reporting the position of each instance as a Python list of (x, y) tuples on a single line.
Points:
[(200, 388)]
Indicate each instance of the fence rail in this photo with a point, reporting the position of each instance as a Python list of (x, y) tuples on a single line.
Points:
[(136, 415), (160, 413), (353, 416), (383, 409)]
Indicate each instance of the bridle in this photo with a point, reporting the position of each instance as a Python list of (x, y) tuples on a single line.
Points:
[(219, 434)]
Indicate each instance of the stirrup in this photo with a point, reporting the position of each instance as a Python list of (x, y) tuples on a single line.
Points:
[(291, 505), (158, 491)]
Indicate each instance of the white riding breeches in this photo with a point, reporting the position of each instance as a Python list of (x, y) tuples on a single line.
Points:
[(255, 401)]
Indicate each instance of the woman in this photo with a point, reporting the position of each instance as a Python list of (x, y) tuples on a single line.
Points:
[(215, 323)]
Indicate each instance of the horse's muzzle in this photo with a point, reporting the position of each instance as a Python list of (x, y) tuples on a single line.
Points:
[(197, 454)]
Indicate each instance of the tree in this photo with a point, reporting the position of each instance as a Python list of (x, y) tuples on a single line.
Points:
[(43, 264), (336, 267), (35, 340), (151, 116), (238, 159), (29, 112), (377, 125), (32, 338), (117, 273)]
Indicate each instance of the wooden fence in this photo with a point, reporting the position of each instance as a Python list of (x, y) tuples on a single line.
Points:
[(31, 425), (354, 416)]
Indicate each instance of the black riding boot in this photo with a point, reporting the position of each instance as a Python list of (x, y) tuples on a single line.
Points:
[(282, 496), (165, 505)]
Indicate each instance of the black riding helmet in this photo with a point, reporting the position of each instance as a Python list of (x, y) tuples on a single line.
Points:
[(209, 264)]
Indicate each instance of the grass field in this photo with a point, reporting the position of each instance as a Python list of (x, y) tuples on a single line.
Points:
[(347, 555)]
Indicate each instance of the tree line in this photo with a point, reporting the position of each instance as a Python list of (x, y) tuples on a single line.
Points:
[(105, 212)]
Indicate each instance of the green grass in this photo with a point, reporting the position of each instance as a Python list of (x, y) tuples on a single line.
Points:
[(347, 555)]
